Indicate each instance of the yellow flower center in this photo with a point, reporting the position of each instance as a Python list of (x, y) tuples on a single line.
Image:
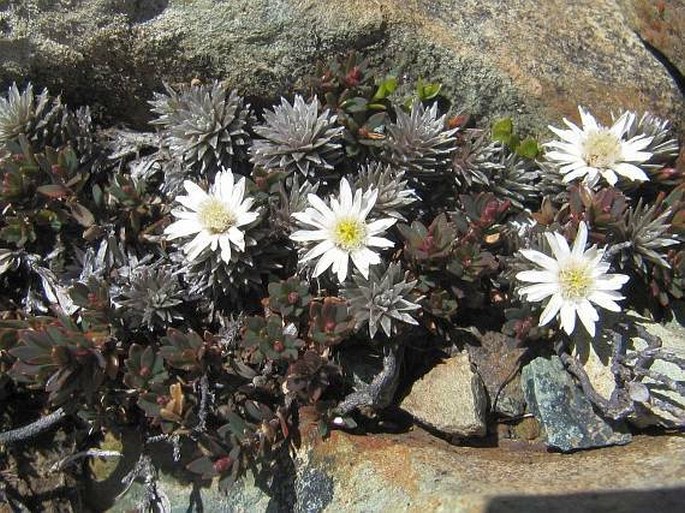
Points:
[(602, 149), (575, 281), (215, 217), (349, 234)]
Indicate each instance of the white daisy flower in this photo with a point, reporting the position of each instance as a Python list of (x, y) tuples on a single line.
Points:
[(595, 151), (574, 278), (343, 231), (214, 218)]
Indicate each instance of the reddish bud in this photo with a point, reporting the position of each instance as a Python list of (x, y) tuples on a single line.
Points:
[(278, 346), (144, 372), (293, 297), (427, 244), (329, 327), (223, 464), (353, 77)]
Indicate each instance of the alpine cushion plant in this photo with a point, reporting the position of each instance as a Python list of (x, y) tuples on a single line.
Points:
[(574, 280), (171, 282), (214, 217), (596, 151), (343, 231), (297, 137)]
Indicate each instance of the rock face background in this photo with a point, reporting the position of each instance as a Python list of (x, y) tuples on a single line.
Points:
[(531, 60)]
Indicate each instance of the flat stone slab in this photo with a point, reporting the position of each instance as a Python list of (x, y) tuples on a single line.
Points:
[(415, 472)]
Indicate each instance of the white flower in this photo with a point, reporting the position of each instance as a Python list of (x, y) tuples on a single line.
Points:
[(574, 278), (595, 150), (343, 231), (214, 218)]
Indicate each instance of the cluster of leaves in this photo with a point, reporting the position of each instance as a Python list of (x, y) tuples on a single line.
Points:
[(105, 317)]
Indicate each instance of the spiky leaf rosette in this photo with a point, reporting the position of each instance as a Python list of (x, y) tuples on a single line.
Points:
[(664, 145), (204, 125), (210, 276), (419, 140), (646, 227), (381, 300), (297, 138), (149, 295), (393, 193), (44, 121), (289, 202), (492, 166)]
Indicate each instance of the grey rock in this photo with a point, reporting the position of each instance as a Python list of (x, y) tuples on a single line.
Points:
[(533, 60), (244, 497), (562, 409), (497, 359), (314, 490), (450, 398), (672, 336)]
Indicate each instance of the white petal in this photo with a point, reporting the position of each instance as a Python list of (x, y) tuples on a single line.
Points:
[(538, 276), (380, 225), (308, 235), (196, 194), (318, 250), (577, 173), (541, 259), (637, 143), (237, 192), (630, 171), (363, 258), (588, 316), (310, 217), (325, 262), (551, 309), (246, 218), (345, 195), (341, 264), (609, 176), (606, 300), (191, 202), (184, 214), (370, 198), (588, 120), (568, 317), (237, 237), (357, 203), (196, 246), (559, 246), (379, 242), (561, 157), (225, 244), (611, 282), (319, 205), (581, 241), (182, 228), (620, 125), (539, 291)]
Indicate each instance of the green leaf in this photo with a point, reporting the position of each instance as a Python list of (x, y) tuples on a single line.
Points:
[(82, 215), (385, 88), (427, 90), (503, 130), (202, 466), (354, 105), (98, 196), (528, 148), (53, 191)]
